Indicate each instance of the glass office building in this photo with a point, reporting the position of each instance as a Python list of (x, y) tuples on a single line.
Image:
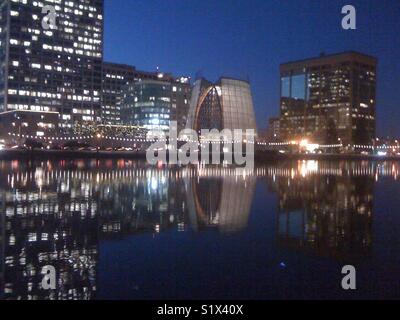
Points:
[(55, 69), (147, 104), (154, 103), (116, 78), (329, 99)]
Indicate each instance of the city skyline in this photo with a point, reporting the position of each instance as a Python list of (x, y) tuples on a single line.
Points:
[(256, 47), (177, 153)]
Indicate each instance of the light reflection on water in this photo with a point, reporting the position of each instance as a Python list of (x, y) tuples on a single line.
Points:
[(84, 217)]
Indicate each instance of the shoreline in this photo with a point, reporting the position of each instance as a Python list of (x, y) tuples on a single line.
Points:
[(62, 154), (260, 156)]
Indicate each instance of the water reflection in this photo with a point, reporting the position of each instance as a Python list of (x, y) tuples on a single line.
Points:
[(222, 203), (328, 215), (57, 213)]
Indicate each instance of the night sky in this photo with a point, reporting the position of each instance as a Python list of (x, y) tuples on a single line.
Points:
[(249, 39)]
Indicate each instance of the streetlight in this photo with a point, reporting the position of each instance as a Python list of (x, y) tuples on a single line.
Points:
[(98, 142)]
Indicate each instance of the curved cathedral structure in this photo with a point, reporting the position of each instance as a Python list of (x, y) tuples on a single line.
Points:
[(226, 104)]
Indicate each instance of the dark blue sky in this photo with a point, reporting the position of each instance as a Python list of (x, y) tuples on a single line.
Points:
[(250, 38)]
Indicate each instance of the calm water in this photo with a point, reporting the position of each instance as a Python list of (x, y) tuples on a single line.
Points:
[(123, 230)]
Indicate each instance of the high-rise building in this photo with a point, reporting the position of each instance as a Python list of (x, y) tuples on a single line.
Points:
[(329, 99), (180, 99), (147, 103), (273, 131), (53, 68), (227, 104), (154, 103), (116, 77)]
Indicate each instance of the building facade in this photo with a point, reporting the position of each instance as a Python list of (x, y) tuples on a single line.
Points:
[(147, 103), (52, 69), (274, 130), (180, 99), (329, 99), (115, 79), (226, 104), (154, 103), (17, 125)]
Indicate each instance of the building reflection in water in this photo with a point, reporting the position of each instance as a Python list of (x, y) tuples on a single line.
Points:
[(147, 201), (47, 221), (328, 215), (221, 203), (55, 213)]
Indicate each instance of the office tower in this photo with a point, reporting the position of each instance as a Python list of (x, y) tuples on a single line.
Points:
[(180, 99), (54, 68), (153, 103), (226, 104), (273, 130), (147, 104), (329, 99), (115, 78)]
